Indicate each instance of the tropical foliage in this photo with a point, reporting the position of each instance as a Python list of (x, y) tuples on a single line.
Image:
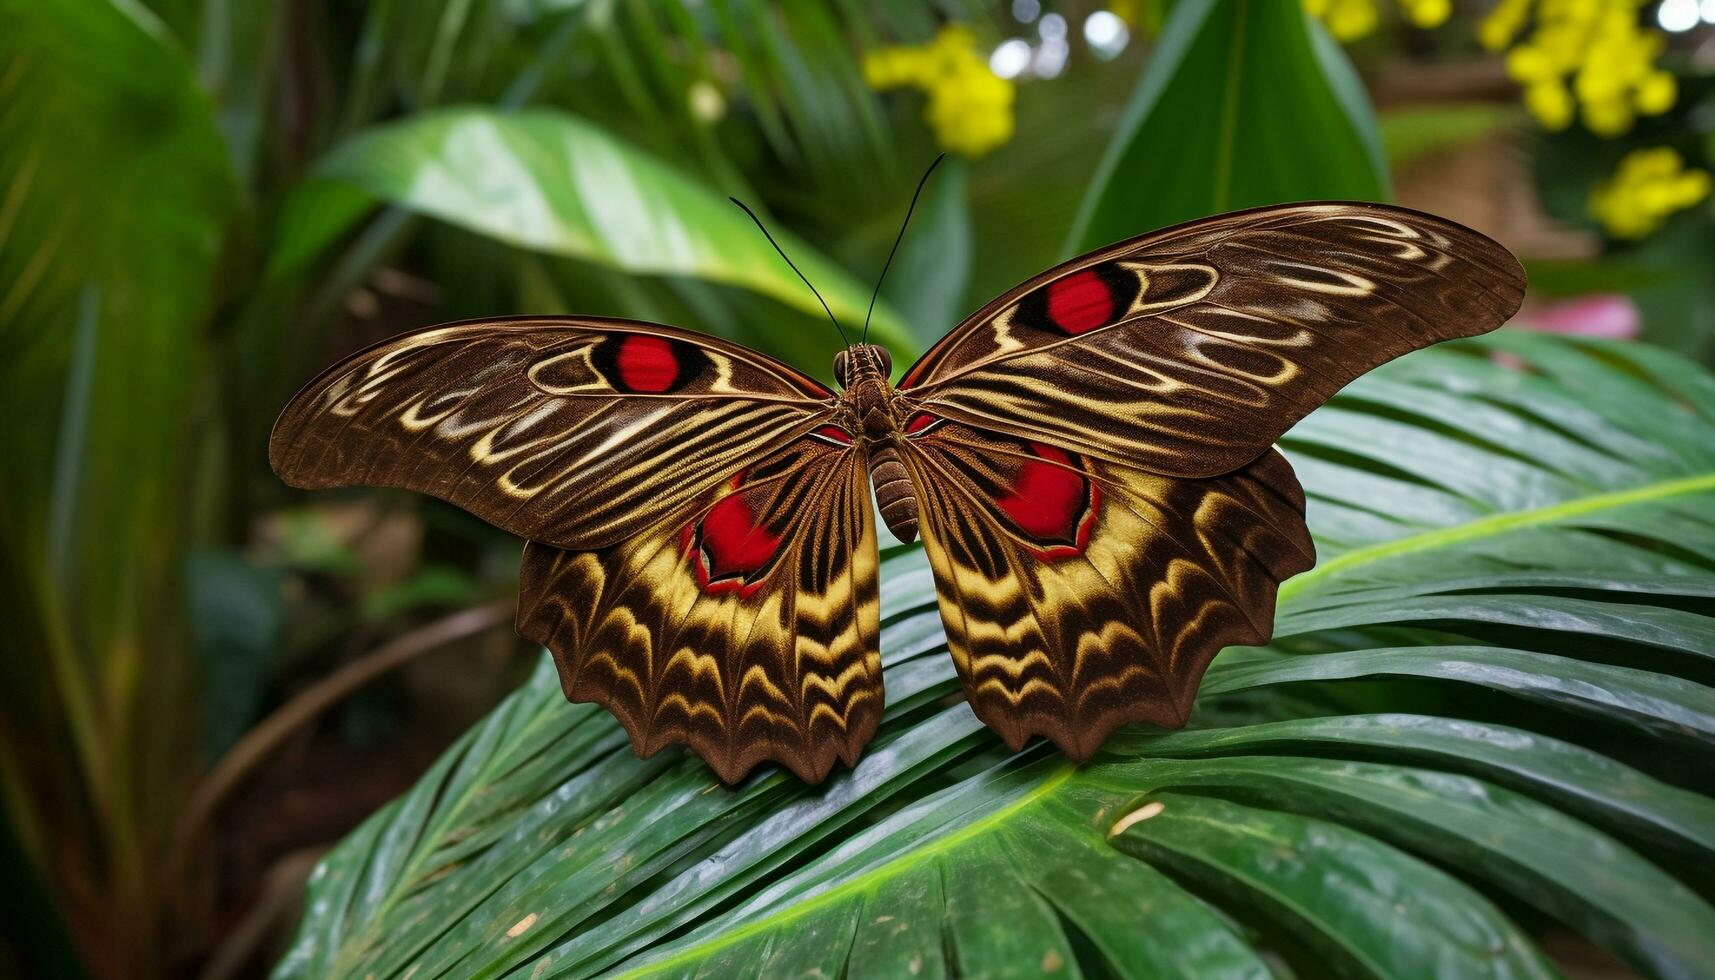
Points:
[(1487, 718), (1390, 788), (1471, 723)]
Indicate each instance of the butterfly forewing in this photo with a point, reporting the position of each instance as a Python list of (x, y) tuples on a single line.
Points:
[(1189, 351), (576, 432)]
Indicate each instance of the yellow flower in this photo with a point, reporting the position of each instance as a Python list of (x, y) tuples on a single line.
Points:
[(1349, 20), (893, 68), (1608, 118), (1656, 93), (1550, 103), (1648, 186), (1427, 13), (1503, 24), (971, 112), (969, 107), (1595, 50), (1528, 63)]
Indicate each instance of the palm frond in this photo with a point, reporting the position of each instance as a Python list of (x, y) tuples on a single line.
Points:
[(117, 190), (1517, 536)]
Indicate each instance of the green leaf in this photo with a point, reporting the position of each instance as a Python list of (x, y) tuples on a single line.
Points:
[(1357, 903), (107, 247), (115, 194), (1514, 843), (992, 877), (1670, 708), (1234, 94), (1560, 599), (928, 280), (238, 618), (550, 182), (1574, 779)]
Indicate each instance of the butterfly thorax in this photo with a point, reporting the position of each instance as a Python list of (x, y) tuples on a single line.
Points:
[(869, 396)]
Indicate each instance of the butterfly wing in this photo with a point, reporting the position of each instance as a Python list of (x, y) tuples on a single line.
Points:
[(748, 629), (701, 557), (576, 432), (1091, 451), (1188, 351), (1079, 594)]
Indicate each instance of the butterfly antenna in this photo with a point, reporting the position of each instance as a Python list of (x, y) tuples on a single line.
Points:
[(843, 339), (896, 240)]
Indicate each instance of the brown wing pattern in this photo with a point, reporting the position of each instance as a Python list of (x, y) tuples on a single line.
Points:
[(1188, 351), (1079, 594), (748, 630), (575, 432)]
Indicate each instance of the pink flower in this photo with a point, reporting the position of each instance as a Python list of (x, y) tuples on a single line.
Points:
[(1598, 315)]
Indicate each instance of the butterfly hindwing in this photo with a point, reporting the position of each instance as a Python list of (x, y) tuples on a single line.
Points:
[(557, 429), (1188, 351), (748, 628), (1079, 594)]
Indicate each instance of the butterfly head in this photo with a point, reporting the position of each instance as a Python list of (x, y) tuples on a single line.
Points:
[(861, 360)]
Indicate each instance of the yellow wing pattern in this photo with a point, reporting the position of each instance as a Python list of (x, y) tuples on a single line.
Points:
[(748, 631), (1079, 595)]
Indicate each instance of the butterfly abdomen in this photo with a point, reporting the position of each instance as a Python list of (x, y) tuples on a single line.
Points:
[(863, 371), (893, 493)]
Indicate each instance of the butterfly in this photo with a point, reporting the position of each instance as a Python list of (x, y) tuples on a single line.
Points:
[(1088, 459)]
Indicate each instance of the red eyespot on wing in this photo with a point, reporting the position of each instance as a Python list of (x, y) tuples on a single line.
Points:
[(1053, 501), (921, 422), (732, 537), (729, 548), (1080, 302), (647, 364)]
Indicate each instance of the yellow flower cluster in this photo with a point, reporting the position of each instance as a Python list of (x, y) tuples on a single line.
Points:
[(1590, 56), (1648, 186), (970, 107), (1351, 19)]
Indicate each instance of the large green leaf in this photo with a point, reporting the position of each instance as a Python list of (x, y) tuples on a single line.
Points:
[(115, 191), (1517, 537), (551, 182), (1244, 103)]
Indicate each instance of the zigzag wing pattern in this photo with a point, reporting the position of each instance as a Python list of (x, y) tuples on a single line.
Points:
[(1079, 594), (749, 630)]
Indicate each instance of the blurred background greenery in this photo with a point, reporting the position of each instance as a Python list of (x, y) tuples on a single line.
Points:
[(209, 679)]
